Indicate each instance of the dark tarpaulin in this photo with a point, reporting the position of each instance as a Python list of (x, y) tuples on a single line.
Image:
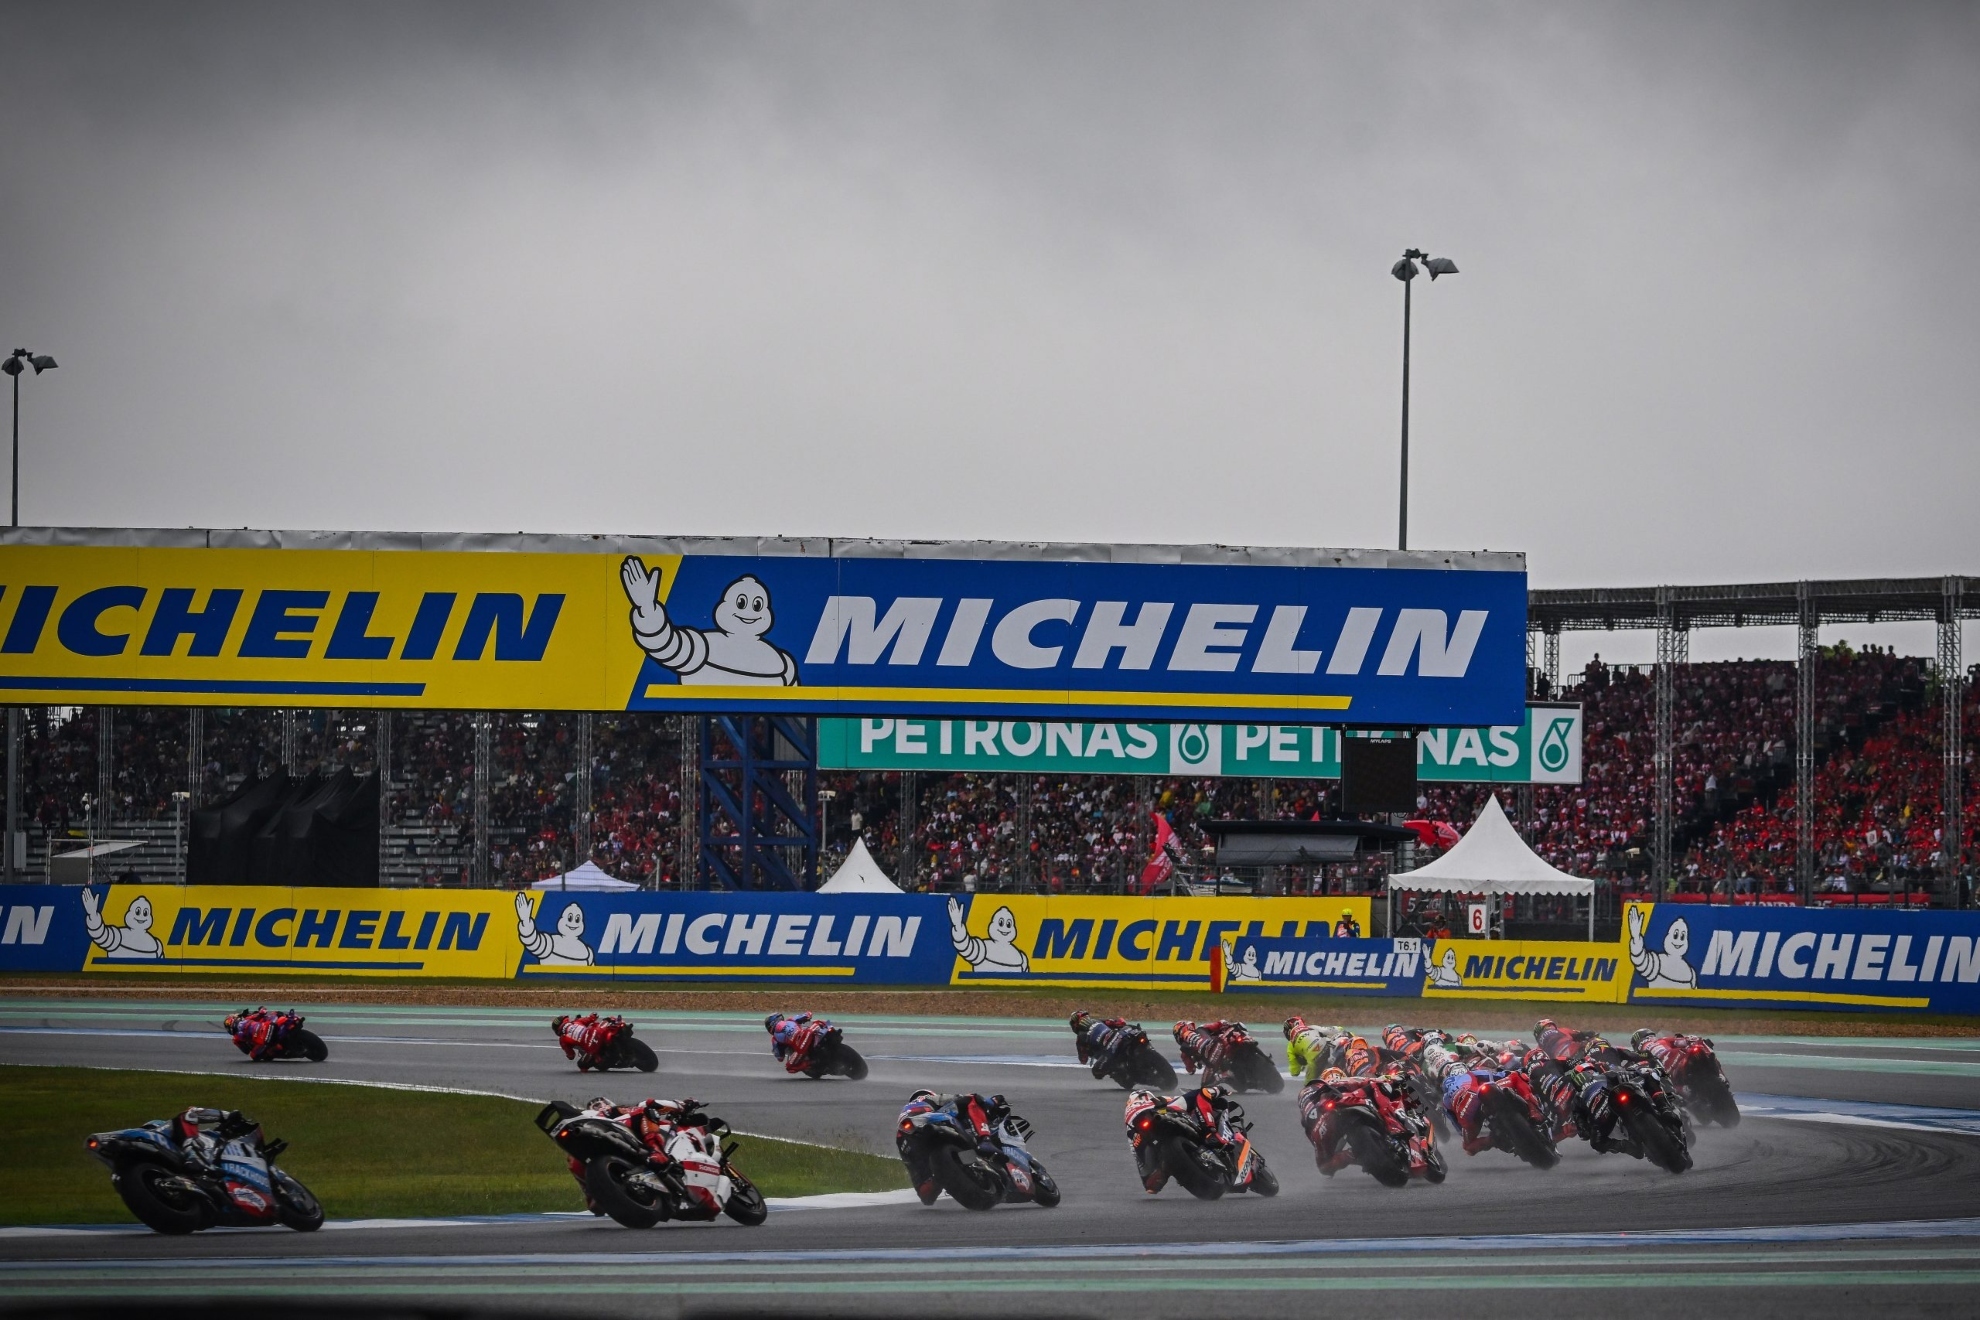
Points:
[(282, 831)]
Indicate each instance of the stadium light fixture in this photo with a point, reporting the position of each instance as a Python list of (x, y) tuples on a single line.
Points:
[(1406, 271), (11, 364)]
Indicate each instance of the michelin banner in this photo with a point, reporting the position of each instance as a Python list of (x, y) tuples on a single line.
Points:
[(1546, 749), (849, 628), (1525, 969), (1389, 968), (1791, 957)]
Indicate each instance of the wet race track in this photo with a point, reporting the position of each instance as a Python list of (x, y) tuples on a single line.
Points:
[(1854, 1181)]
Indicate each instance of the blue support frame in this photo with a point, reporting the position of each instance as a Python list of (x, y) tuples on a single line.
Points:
[(755, 832)]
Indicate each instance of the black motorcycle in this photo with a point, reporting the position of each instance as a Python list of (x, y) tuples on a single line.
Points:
[(692, 1176), (1636, 1112), (225, 1179), (1194, 1156), (977, 1174), (1135, 1062)]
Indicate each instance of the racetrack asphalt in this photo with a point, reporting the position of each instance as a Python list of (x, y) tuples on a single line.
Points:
[(1856, 1180)]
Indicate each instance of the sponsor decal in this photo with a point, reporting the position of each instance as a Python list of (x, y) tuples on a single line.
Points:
[(1525, 969), (1341, 966)]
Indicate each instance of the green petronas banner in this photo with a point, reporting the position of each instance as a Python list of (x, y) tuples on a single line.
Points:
[(1546, 749)]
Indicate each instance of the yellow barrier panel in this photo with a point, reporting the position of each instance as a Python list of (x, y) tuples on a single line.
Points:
[(252, 928), (1526, 969), (1139, 943)]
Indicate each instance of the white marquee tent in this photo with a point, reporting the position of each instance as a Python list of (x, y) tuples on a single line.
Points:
[(584, 876), (860, 875), (1491, 859)]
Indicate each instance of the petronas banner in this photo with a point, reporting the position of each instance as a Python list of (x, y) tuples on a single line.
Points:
[(1546, 749)]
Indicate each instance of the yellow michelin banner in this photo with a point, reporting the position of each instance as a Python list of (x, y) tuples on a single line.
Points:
[(1526, 969), (245, 627), (1142, 943), (349, 932)]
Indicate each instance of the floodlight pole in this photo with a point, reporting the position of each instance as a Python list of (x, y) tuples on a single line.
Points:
[(1402, 515), (12, 365)]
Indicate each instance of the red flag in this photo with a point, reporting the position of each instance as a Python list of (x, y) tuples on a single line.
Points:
[(1161, 862)]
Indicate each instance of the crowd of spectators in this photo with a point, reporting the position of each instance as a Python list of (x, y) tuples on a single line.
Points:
[(1876, 744)]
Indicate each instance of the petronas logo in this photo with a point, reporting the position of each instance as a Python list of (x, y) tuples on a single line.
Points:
[(1554, 749), (1196, 750)]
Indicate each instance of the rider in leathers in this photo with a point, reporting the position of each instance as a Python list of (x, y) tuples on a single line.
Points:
[(650, 1120), (1308, 1047), (1459, 1072), (580, 1037), (1205, 1047), (1208, 1105), (981, 1114), (253, 1031), (787, 1032), (1098, 1039)]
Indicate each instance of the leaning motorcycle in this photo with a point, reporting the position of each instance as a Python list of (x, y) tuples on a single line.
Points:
[(617, 1047), (1515, 1119), (691, 1177), (1692, 1066), (172, 1190), (1136, 1062), (1247, 1066), (1193, 1154), (291, 1040), (826, 1052), (1377, 1125), (1636, 1098), (977, 1174)]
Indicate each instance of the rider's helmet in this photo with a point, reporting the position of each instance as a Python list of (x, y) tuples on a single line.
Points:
[(1543, 1026), (1078, 1021), (1333, 1076), (922, 1097), (557, 1023), (1357, 1043), (233, 1020), (598, 1104), (1294, 1025), (1466, 1038), (770, 1023), (1642, 1034)]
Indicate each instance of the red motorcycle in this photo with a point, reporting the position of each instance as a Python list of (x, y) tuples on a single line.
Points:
[(1374, 1122), (814, 1048), (599, 1044), (1244, 1065), (1503, 1108), (1692, 1066), (263, 1035)]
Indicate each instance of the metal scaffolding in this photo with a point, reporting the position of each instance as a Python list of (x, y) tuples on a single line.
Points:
[(581, 799), (14, 858), (484, 774), (106, 768), (1952, 691), (1808, 653), (687, 850), (759, 802), (1673, 650), (382, 746), (1551, 659), (905, 864), (289, 741)]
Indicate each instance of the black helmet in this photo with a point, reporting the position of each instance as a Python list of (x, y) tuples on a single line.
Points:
[(1079, 1020), (1642, 1034), (770, 1023), (557, 1023), (1544, 1025)]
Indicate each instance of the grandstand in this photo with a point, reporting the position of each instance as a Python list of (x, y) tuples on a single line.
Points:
[(505, 798)]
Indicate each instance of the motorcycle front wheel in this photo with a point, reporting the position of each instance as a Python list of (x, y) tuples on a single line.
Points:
[(307, 1044), (605, 1178), (746, 1204), (851, 1064), (641, 1056), (1153, 1070), (1263, 1180), (1260, 1075), (1044, 1191), (295, 1205), (160, 1208)]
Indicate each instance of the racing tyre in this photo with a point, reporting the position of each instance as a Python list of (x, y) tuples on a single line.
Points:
[(746, 1204), (1149, 1069), (641, 1056), (1510, 1119), (1660, 1145), (1374, 1154), (1202, 1173), (1434, 1167), (1263, 1180), (295, 1205), (1259, 1074), (161, 1208), (963, 1177), (605, 1179), (1712, 1100), (1044, 1191), (309, 1045), (851, 1064)]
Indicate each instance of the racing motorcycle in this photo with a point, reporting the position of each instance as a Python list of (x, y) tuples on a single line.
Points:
[(291, 1040), (611, 1044), (1247, 1066), (1136, 1062), (177, 1179), (820, 1049), (1193, 1154), (1636, 1098), (691, 1176), (1376, 1123), (977, 1173), (1692, 1066), (1515, 1119)]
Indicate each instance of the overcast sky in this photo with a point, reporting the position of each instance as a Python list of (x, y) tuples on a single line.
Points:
[(1070, 272)]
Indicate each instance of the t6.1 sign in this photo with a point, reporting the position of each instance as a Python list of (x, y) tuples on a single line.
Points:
[(807, 627)]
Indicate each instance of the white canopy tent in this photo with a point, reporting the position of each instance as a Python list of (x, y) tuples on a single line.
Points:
[(860, 875), (1491, 859), (584, 876)]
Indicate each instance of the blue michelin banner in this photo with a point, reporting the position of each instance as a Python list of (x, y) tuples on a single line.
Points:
[(865, 940), (1827, 958), (1315, 637), (41, 928), (1389, 968)]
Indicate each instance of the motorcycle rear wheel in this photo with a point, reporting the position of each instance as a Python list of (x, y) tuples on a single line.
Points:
[(1660, 1145), (1510, 1119), (1153, 1070), (605, 1177), (295, 1205), (851, 1064), (1202, 1173), (1044, 1190), (968, 1183), (746, 1204), (307, 1044), (641, 1056), (1712, 1101), (161, 1209), (1376, 1156)]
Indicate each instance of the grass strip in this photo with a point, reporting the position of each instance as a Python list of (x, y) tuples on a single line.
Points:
[(366, 1152)]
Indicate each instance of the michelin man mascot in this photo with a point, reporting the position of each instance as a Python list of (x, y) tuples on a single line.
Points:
[(133, 939), (995, 951), (566, 948), (732, 652), (1669, 969)]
